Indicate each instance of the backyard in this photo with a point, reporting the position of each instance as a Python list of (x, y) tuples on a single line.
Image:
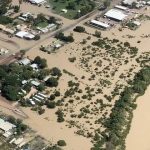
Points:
[(75, 8)]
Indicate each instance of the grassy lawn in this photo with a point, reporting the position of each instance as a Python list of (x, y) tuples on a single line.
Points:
[(42, 24), (58, 5)]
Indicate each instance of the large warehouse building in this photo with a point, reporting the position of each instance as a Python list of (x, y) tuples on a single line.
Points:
[(115, 14)]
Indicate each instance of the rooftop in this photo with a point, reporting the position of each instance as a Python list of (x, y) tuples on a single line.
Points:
[(129, 2), (37, 1), (6, 126), (24, 61), (115, 14), (100, 23)]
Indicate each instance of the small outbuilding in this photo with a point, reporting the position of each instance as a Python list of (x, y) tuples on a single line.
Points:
[(99, 24), (121, 7), (64, 10)]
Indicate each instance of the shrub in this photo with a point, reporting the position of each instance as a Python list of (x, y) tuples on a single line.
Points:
[(51, 104), (37, 37), (79, 29), (52, 82), (61, 143)]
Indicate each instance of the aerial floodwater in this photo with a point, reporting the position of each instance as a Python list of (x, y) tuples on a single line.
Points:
[(139, 135)]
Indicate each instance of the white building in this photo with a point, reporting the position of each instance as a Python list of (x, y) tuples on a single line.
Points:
[(24, 34), (34, 66), (129, 2), (6, 127), (99, 24), (35, 83), (25, 16), (37, 2), (64, 10), (24, 61), (115, 14), (121, 7)]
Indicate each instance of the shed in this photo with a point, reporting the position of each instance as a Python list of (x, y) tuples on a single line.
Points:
[(64, 10), (121, 7), (99, 24)]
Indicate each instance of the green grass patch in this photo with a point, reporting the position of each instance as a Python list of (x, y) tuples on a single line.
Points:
[(42, 24), (72, 6)]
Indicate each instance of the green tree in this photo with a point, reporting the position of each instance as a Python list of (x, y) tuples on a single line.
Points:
[(52, 82)]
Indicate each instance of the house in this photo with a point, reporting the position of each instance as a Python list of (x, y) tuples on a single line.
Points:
[(25, 16), (25, 61), (128, 2), (18, 141), (35, 83), (99, 24), (50, 27), (115, 14), (25, 34), (7, 128)]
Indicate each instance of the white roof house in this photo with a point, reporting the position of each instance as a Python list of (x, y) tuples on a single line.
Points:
[(6, 126), (24, 34), (99, 24), (35, 83), (25, 61), (115, 15), (128, 2), (37, 1)]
